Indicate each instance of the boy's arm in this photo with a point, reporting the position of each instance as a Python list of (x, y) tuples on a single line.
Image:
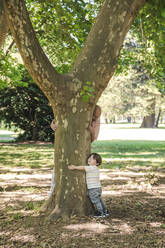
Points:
[(74, 167)]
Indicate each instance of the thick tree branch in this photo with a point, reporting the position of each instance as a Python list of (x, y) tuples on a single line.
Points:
[(3, 24), (99, 56), (32, 54)]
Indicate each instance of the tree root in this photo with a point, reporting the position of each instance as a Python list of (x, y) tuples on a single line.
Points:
[(45, 207), (58, 213)]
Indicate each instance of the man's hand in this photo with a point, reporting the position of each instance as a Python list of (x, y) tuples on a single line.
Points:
[(53, 126)]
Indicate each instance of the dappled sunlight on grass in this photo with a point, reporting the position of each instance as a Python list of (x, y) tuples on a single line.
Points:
[(155, 224), (125, 183), (132, 162), (32, 156), (25, 179), (135, 159), (11, 197), (88, 226), (122, 154), (117, 226), (113, 192), (23, 238), (122, 227), (160, 194)]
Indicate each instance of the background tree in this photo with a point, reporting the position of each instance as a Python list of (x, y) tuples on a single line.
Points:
[(143, 53), (117, 98), (132, 95), (27, 108), (151, 24)]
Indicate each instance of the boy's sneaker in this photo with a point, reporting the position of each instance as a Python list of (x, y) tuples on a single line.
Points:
[(99, 215), (106, 213)]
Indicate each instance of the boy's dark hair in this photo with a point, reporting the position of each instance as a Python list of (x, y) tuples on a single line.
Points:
[(96, 156)]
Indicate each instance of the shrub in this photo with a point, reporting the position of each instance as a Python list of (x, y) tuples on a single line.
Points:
[(27, 108)]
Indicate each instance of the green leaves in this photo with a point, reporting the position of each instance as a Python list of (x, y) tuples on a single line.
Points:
[(149, 29), (87, 91), (62, 27), (163, 13), (9, 73), (27, 108)]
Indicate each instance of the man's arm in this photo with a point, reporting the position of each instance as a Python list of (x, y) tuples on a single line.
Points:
[(94, 129), (74, 167), (92, 133)]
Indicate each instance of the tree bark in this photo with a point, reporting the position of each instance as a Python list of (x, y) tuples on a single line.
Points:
[(96, 63), (158, 118), (3, 24), (149, 120)]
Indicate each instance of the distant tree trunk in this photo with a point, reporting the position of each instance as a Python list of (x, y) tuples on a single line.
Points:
[(158, 118), (134, 119), (149, 120), (34, 134), (34, 129), (161, 119)]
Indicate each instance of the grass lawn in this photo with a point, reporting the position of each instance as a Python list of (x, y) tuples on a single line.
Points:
[(121, 154), (26, 155), (7, 136), (115, 154), (133, 181)]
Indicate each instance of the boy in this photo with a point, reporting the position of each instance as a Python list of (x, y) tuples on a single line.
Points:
[(93, 183)]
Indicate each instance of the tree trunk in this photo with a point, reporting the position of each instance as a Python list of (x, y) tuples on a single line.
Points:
[(95, 64), (158, 118), (70, 148), (149, 120), (3, 24)]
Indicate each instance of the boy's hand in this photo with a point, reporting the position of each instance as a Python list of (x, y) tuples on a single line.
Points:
[(74, 167), (71, 167)]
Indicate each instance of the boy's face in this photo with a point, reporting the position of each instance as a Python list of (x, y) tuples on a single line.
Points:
[(92, 161)]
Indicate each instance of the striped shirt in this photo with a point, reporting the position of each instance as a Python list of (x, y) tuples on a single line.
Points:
[(92, 177)]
